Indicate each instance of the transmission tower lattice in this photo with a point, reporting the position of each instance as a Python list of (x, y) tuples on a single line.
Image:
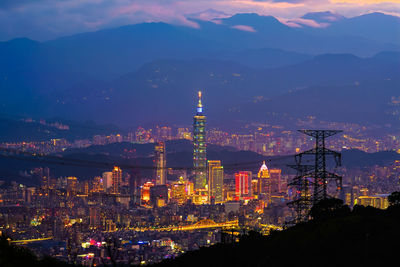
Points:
[(312, 181)]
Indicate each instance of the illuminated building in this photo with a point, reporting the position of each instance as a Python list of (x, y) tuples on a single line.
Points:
[(200, 197), (164, 133), (143, 136), (199, 150), (145, 192), (254, 188), (85, 188), (160, 163), (243, 185), (178, 192), (116, 180), (276, 181), (183, 133), (110, 226), (97, 185), (264, 182), (107, 180), (72, 183), (44, 175), (94, 218), (189, 188), (159, 195), (377, 201), (215, 181)]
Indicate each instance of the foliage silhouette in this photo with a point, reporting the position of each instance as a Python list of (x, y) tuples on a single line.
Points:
[(327, 208), (394, 198)]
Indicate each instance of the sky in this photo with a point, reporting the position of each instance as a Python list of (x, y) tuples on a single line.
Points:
[(48, 19)]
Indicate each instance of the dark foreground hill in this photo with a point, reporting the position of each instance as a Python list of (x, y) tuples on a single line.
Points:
[(365, 237), (15, 256)]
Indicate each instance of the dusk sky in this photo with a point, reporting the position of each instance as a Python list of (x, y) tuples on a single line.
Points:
[(48, 19)]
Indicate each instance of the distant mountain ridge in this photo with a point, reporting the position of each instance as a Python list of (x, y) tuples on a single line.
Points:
[(141, 96), (92, 161), (125, 74)]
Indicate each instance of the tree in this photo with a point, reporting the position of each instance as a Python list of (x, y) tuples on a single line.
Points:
[(327, 208), (394, 199)]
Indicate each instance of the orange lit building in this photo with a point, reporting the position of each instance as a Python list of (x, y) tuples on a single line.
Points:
[(178, 192), (97, 185), (116, 180), (145, 192)]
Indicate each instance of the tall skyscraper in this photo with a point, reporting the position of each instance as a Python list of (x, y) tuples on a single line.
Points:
[(276, 181), (107, 180), (264, 182), (94, 217), (116, 180), (215, 181), (72, 183), (199, 150), (160, 163), (243, 185)]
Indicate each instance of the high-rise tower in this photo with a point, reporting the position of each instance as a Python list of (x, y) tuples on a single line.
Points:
[(264, 182), (161, 163), (199, 150), (116, 180), (215, 181)]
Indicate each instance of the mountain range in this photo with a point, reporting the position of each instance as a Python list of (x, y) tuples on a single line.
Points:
[(92, 161), (248, 66)]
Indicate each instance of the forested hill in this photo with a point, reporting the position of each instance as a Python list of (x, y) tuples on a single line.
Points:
[(364, 237)]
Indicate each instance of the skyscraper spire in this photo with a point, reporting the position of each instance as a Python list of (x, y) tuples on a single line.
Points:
[(199, 105)]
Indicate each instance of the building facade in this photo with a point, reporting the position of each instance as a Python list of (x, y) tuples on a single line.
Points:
[(160, 163), (116, 180), (243, 184), (215, 181)]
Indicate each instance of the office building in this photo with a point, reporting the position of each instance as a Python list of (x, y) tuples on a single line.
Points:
[(264, 182), (116, 180), (160, 163), (215, 174)]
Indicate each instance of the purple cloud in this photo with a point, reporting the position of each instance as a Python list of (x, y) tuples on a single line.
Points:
[(47, 19)]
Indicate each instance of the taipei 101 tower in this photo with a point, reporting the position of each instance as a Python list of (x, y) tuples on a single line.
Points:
[(199, 149)]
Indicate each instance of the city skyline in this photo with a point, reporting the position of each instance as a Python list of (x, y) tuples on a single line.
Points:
[(195, 133)]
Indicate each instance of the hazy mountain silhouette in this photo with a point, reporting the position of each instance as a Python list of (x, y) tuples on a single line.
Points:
[(126, 74), (92, 161), (374, 26), (165, 91)]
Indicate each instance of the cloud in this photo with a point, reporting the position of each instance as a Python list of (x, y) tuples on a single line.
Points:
[(244, 28), (300, 22), (47, 19)]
